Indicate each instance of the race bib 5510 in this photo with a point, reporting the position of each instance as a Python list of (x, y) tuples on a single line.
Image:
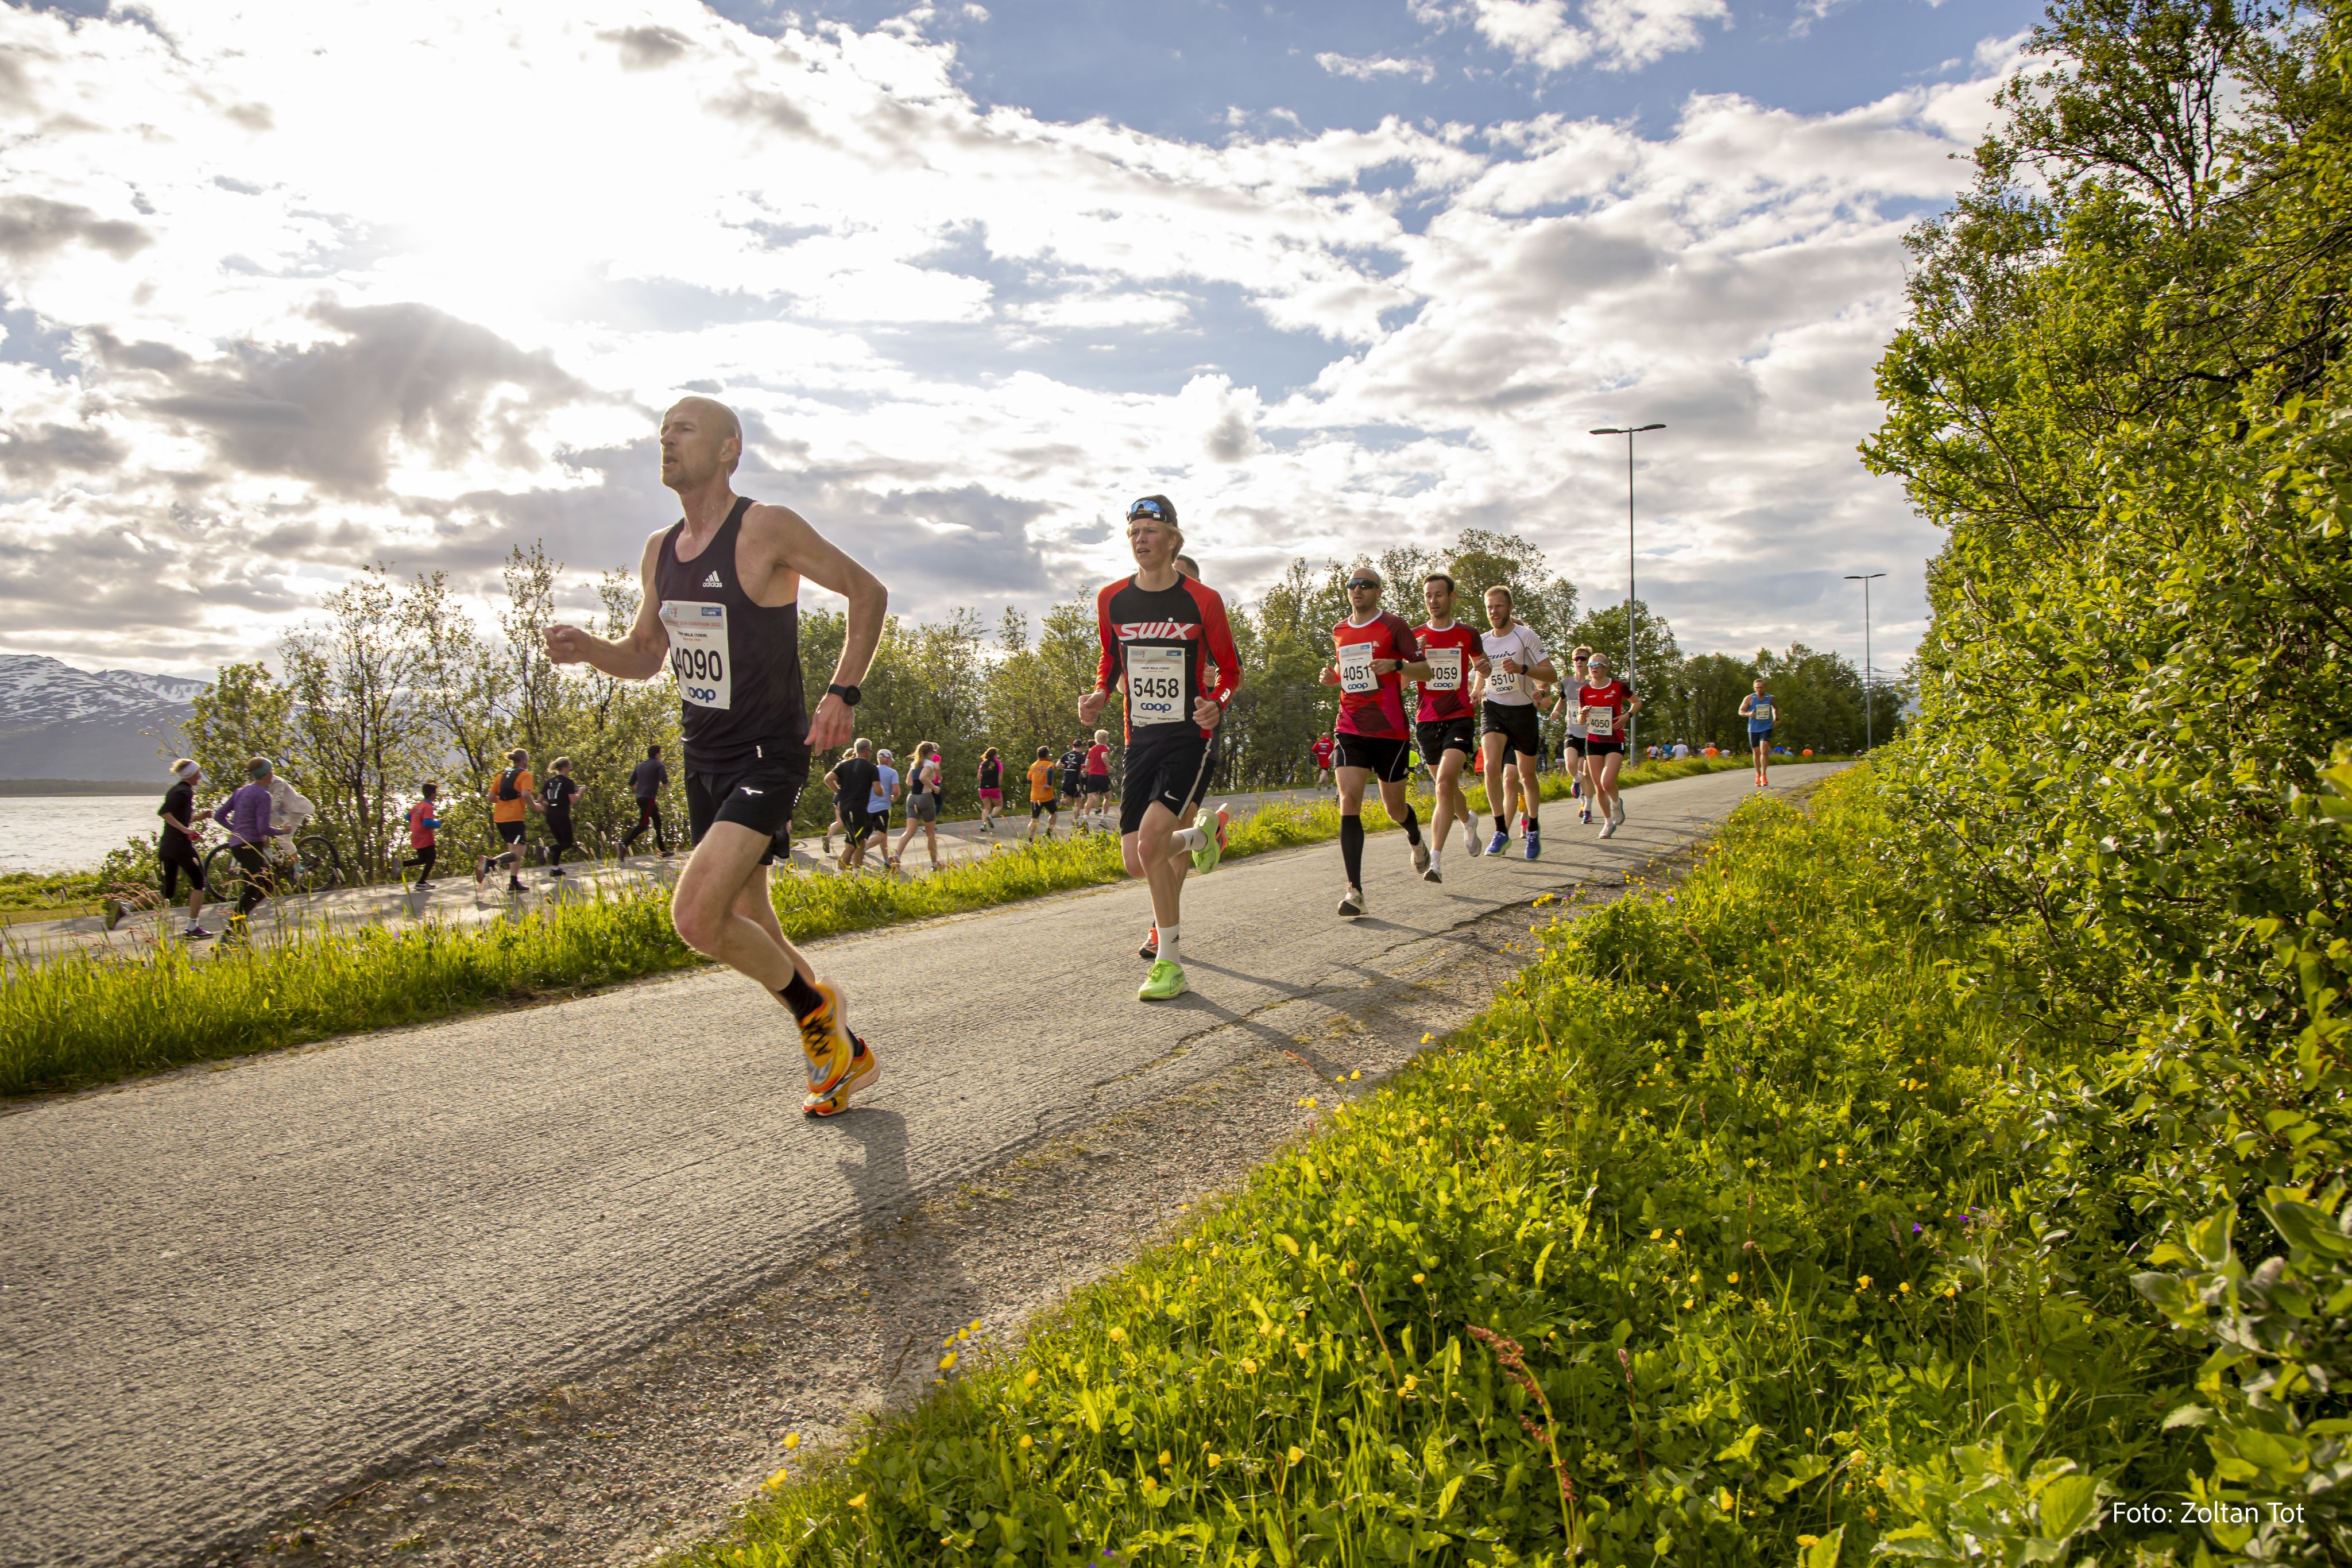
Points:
[(698, 652)]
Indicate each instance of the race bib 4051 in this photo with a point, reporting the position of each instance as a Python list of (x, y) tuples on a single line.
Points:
[(1356, 669), (699, 653)]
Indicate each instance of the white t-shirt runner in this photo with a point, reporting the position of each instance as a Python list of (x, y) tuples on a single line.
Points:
[(1521, 646)]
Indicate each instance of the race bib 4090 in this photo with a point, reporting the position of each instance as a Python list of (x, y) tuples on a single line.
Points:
[(698, 652)]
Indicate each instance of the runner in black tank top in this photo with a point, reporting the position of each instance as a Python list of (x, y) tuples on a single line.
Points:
[(747, 727), (740, 688)]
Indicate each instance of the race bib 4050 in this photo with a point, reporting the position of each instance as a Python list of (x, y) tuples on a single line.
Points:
[(698, 652), (1155, 685)]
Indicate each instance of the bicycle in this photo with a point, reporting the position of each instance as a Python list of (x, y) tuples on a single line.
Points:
[(315, 868)]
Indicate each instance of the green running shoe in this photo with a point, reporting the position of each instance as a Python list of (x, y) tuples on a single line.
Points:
[(1205, 858), (1165, 981)]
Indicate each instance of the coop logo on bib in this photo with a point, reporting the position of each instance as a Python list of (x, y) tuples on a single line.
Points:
[(698, 652), (1155, 685)]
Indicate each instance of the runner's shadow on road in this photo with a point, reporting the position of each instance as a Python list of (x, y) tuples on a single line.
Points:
[(880, 1183)]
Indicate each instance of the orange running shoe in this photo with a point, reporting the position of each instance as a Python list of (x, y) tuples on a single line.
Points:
[(826, 1041), (865, 1071)]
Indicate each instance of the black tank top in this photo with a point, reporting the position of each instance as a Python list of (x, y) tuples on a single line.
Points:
[(738, 663)]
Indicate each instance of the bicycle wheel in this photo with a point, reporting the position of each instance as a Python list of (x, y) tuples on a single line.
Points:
[(220, 870), (321, 869)]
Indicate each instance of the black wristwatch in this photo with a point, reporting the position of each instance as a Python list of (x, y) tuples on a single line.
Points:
[(848, 695)]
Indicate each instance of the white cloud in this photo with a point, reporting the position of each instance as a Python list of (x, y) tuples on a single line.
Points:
[(1617, 34), (351, 283), (1371, 67)]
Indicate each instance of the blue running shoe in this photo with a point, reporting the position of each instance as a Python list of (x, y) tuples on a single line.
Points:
[(1498, 843), (1534, 848)]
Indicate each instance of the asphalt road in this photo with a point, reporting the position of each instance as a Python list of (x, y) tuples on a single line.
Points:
[(225, 1293)]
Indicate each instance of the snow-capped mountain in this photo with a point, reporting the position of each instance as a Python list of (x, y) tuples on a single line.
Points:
[(57, 722)]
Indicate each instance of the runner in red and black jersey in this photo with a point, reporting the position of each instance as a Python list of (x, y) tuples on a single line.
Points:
[(1607, 704), (1375, 651), (1321, 751), (1158, 629), (1445, 726)]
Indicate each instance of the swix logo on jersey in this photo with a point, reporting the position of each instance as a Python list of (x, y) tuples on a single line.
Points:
[(1147, 631)]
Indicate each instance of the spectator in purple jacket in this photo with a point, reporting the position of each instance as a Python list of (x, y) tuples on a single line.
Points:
[(246, 815)]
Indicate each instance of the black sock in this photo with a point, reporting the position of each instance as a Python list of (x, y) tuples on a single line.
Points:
[(1533, 825), (1351, 849), (801, 997), (1411, 825), (1498, 826)]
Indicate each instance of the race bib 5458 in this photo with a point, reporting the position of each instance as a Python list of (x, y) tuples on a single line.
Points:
[(698, 652), (1155, 685)]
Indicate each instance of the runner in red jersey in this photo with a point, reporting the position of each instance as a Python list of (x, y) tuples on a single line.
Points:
[(1607, 704), (1321, 751), (1158, 629), (1376, 652), (1444, 726)]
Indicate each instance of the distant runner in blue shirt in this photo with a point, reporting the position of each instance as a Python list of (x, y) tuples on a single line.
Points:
[(1757, 708)]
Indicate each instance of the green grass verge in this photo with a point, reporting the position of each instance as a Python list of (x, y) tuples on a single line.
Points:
[(1715, 1240), (84, 1019), (48, 894)]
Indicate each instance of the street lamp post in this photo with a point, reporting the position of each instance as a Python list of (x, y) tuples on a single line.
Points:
[(1628, 431), (1869, 738)]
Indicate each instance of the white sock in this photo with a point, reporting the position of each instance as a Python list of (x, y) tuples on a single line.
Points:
[(1435, 856), (1190, 838), (1168, 945)]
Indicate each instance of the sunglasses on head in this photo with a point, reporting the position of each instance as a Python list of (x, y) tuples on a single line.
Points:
[(1148, 508)]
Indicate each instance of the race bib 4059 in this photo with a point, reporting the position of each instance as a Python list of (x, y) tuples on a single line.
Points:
[(1444, 669), (1155, 685), (698, 652)]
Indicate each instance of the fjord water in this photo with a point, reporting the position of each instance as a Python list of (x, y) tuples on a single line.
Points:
[(70, 833)]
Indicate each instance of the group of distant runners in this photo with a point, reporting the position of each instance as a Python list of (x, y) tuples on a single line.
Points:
[(720, 610)]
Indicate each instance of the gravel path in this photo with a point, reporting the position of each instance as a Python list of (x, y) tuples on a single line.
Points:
[(230, 1293)]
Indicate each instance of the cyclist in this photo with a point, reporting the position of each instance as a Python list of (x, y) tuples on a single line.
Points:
[(246, 814)]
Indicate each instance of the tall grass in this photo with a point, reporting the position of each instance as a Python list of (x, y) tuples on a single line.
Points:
[(1715, 1240), (87, 1019)]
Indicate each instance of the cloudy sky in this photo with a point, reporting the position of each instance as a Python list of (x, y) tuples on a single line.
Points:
[(291, 287)]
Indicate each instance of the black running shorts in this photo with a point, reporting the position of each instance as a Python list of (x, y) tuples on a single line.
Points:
[(559, 832), (1516, 724), (1097, 783), (1172, 770), (1383, 755), (1437, 737), (511, 833), (1603, 747), (1576, 744), (761, 798)]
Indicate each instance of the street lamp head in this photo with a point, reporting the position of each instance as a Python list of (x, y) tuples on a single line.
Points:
[(1607, 430), (1863, 576), (1639, 428)]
